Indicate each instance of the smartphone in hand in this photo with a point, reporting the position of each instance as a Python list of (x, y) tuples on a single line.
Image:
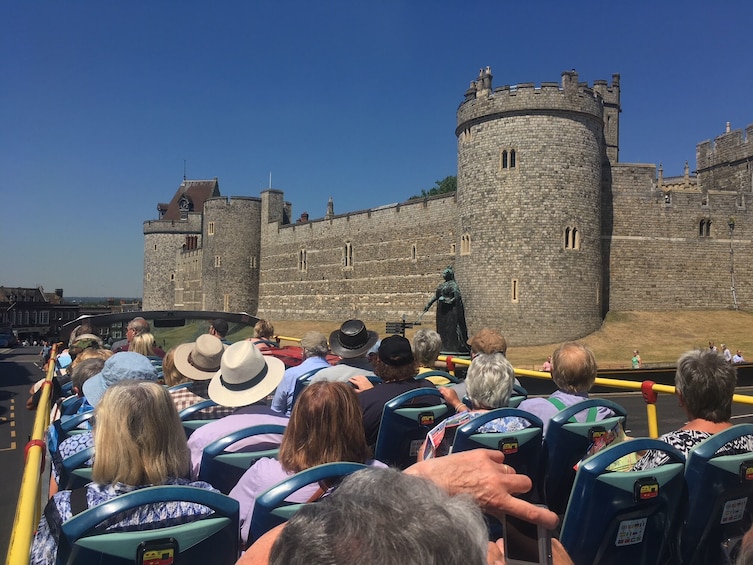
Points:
[(526, 543)]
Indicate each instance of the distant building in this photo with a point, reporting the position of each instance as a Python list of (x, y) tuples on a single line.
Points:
[(547, 231), (34, 313)]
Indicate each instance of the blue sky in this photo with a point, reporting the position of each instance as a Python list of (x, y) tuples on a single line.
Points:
[(101, 103)]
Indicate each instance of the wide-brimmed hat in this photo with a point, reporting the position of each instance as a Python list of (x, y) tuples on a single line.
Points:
[(352, 339), (200, 359), (123, 366), (245, 376)]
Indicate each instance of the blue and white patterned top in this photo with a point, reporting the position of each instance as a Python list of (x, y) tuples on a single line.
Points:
[(45, 547), (71, 446)]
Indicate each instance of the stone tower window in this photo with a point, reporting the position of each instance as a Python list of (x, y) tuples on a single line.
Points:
[(348, 255), (705, 200), (452, 248), (704, 228), (413, 253), (465, 244), (514, 291), (252, 262), (465, 135), (226, 303), (302, 264), (217, 261), (508, 159), (210, 228), (572, 238)]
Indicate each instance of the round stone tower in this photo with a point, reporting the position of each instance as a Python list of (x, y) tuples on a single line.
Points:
[(231, 242), (529, 219)]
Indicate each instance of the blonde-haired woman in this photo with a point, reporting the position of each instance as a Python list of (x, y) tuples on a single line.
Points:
[(144, 344), (139, 442), (170, 372), (264, 335)]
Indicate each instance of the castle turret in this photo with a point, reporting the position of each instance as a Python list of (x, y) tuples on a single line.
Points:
[(529, 188)]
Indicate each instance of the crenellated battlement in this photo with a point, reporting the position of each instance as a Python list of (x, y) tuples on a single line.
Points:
[(730, 147), (482, 102)]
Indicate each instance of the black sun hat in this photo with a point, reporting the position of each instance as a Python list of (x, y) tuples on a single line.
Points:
[(352, 339)]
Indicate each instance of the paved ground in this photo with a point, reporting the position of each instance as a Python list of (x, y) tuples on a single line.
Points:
[(17, 373)]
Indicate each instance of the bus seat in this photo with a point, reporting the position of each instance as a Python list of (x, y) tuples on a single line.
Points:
[(403, 428), (270, 508), (565, 444), (522, 448), (302, 382), (720, 499), (209, 539), (62, 429), (629, 518), (449, 376), (189, 425), (222, 469), (76, 470)]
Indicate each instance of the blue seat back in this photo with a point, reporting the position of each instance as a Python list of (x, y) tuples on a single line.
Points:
[(519, 394), (186, 415), (522, 448), (270, 508), (302, 382), (436, 373), (62, 429), (720, 498), (76, 471), (616, 518), (403, 427), (210, 539), (567, 442), (222, 469)]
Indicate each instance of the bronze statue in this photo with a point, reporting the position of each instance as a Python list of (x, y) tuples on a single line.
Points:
[(450, 314)]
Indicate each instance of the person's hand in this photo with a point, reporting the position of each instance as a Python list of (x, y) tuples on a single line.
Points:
[(360, 383), (449, 395), (495, 553), (483, 474)]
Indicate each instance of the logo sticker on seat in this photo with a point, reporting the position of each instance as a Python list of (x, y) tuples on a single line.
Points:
[(630, 532)]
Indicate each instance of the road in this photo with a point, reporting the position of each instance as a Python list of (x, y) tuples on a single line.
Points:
[(17, 373)]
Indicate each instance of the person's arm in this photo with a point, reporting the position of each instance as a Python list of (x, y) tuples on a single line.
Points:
[(452, 399), (360, 383), (483, 474)]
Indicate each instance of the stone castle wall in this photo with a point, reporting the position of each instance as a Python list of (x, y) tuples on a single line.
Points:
[(643, 242), (162, 240), (395, 255)]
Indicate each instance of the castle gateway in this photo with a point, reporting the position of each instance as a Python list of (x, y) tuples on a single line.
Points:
[(547, 231)]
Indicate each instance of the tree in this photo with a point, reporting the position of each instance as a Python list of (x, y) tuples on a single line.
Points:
[(447, 184)]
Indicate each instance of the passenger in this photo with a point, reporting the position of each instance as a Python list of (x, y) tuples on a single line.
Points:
[(325, 427), (489, 386), (122, 366), (315, 349), (353, 343), (487, 341), (245, 378), (219, 328), (480, 474), (143, 343), (140, 442), (199, 361), (170, 372), (264, 335), (574, 373), (427, 345), (397, 369), (135, 327), (704, 384)]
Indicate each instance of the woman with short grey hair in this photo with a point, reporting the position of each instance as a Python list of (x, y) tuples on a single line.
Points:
[(704, 385)]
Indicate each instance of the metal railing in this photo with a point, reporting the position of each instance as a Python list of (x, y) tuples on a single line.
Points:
[(29, 507)]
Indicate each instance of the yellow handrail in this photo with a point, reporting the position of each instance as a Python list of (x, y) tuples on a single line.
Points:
[(28, 510)]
